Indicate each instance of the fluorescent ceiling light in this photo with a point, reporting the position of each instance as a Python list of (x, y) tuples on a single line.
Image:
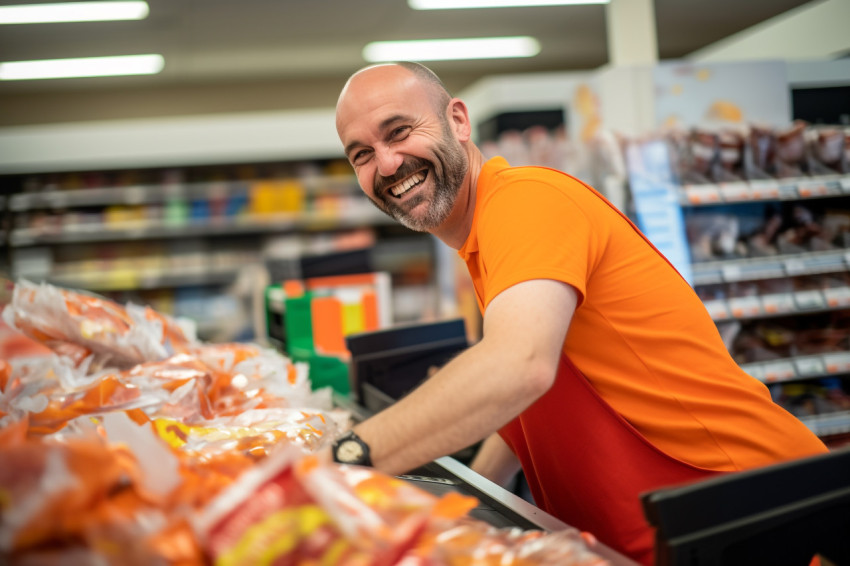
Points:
[(82, 67), (73, 12), (451, 49), (455, 4)]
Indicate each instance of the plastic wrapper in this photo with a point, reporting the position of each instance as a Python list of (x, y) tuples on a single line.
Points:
[(52, 392), (268, 400), (258, 369), (292, 510), (13, 344), (256, 431), (80, 498), (127, 444), (298, 510), (124, 335), (473, 543)]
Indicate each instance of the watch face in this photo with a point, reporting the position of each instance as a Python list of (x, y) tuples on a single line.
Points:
[(349, 451)]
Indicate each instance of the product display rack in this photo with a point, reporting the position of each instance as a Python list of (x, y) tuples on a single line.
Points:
[(784, 189), (357, 212), (779, 292), (154, 230)]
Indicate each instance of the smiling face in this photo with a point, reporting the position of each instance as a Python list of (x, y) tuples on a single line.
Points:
[(399, 138)]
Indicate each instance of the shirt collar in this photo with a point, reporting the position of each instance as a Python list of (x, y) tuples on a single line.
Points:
[(485, 180)]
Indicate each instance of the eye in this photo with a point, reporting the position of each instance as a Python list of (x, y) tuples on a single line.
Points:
[(359, 157), (399, 133)]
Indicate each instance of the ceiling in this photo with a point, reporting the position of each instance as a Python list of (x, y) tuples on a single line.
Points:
[(230, 55)]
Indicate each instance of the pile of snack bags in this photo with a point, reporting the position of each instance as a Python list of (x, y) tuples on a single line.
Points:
[(125, 440)]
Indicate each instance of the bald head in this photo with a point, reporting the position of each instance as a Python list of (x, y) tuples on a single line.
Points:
[(375, 75), (407, 140)]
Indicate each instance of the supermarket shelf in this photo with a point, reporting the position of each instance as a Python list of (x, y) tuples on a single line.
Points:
[(765, 190), (751, 269), (829, 423), (365, 215), (800, 367), (779, 304), (106, 196), (158, 193), (131, 279)]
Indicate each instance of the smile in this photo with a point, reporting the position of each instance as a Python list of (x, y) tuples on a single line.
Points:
[(407, 184)]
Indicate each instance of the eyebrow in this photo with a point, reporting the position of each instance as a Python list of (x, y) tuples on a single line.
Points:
[(385, 124)]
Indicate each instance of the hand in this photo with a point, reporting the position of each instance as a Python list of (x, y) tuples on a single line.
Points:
[(325, 455)]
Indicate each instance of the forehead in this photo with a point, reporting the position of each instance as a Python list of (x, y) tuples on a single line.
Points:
[(376, 96)]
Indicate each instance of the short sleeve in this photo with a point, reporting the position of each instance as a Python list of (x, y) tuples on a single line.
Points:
[(533, 229)]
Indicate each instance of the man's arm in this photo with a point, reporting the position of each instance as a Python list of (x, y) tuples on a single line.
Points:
[(495, 461), (484, 387)]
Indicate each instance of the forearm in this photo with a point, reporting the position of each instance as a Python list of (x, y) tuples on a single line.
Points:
[(495, 461), (472, 396), (483, 388)]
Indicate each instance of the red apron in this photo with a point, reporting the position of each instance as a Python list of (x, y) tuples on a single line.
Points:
[(586, 465)]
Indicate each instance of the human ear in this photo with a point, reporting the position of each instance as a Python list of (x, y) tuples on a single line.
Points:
[(458, 115)]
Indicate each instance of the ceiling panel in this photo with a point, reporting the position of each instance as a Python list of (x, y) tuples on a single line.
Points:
[(289, 43)]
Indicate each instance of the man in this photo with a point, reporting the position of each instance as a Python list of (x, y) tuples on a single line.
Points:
[(599, 367)]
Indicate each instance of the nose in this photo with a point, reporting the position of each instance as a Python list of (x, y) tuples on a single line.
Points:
[(388, 161)]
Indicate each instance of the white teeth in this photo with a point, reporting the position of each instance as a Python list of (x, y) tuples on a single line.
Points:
[(407, 184)]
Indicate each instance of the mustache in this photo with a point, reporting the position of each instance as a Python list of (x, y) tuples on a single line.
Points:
[(407, 167)]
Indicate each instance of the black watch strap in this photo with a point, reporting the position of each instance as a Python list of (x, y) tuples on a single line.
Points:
[(351, 449)]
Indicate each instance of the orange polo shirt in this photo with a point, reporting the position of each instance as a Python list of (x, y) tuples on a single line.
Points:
[(640, 334)]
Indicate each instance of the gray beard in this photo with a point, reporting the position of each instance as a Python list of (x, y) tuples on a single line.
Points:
[(454, 166), (438, 210)]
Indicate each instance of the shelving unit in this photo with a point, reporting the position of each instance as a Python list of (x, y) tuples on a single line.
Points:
[(740, 291), (778, 292), (170, 235)]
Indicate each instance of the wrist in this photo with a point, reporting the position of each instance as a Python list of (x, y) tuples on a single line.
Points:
[(351, 449)]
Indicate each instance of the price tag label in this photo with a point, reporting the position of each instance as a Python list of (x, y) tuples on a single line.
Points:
[(810, 367), (736, 191), (745, 307), (838, 362), (811, 189), (702, 194), (778, 371), (731, 272), (832, 187), (764, 189), (778, 303), (718, 309), (795, 266), (837, 297), (788, 191), (808, 300), (754, 370)]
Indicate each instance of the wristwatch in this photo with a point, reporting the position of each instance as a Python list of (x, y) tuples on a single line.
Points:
[(350, 449)]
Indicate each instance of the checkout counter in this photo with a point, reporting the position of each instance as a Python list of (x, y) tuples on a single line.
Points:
[(381, 369), (496, 506), (783, 514), (794, 510)]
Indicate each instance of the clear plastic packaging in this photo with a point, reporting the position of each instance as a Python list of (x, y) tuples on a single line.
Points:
[(125, 336)]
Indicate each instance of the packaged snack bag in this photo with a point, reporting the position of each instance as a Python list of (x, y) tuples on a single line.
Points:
[(73, 493), (294, 509), (474, 543), (125, 336)]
